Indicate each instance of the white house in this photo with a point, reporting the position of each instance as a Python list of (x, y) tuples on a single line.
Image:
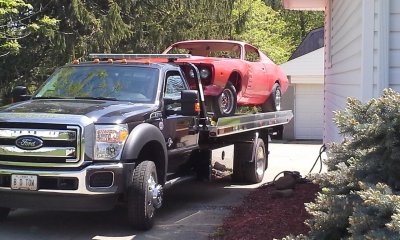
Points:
[(306, 75), (362, 51)]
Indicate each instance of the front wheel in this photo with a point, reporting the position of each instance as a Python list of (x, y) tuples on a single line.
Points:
[(273, 103), (225, 104), (4, 213), (144, 196)]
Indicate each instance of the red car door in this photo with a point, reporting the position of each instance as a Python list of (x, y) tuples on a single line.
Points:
[(258, 85)]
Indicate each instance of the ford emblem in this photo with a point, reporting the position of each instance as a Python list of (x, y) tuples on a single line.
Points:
[(29, 142)]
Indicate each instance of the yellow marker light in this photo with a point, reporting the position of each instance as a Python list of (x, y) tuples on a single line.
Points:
[(123, 135), (110, 60), (197, 107), (96, 60), (76, 61)]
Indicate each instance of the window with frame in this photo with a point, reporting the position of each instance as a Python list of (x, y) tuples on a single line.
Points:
[(251, 54), (175, 84)]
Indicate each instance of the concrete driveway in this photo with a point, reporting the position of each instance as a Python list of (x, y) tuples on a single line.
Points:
[(190, 211)]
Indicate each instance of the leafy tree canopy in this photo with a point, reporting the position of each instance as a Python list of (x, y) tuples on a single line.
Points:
[(36, 36), (16, 24), (263, 28)]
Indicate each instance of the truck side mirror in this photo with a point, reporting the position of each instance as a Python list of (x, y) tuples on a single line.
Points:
[(190, 105), (19, 94)]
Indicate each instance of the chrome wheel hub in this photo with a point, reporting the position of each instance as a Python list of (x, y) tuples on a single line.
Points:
[(154, 193), (260, 163), (278, 96), (226, 101)]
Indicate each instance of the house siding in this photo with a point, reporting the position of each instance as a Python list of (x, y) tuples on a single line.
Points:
[(362, 53), (376, 76), (394, 45), (343, 60)]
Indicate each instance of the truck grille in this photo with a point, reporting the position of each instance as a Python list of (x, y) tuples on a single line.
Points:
[(34, 144)]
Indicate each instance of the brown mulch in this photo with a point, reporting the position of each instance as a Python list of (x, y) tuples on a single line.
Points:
[(265, 216)]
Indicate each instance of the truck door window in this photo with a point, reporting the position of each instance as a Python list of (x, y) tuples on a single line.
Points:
[(174, 85)]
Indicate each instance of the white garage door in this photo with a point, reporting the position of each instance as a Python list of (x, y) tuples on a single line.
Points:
[(309, 108)]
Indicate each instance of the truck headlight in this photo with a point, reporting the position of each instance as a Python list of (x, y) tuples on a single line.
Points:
[(110, 140)]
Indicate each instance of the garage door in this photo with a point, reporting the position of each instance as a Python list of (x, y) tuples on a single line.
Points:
[(309, 108)]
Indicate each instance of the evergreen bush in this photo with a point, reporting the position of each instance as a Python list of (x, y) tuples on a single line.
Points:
[(360, 191)]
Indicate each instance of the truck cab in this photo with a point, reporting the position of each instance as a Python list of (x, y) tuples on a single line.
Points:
[(75, 144)]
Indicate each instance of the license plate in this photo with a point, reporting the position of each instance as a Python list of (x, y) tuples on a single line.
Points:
[(24, 182)]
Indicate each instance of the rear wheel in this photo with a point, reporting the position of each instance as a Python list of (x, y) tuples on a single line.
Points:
[(4, 213), (144, 196), (225, 104), (249, 166), (273, 103), (256, 168)]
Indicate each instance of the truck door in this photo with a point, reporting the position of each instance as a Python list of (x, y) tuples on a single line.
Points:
[(178, 137)]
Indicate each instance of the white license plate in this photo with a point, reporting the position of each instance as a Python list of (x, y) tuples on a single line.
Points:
[(24, 182)]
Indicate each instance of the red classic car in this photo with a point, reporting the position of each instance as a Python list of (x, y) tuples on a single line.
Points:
[(234, 73)]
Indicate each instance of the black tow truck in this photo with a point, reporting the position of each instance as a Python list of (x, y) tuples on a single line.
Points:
[(120, 128)]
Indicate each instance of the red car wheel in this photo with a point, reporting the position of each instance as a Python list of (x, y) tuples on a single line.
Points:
[(225, 104), (273, 103)]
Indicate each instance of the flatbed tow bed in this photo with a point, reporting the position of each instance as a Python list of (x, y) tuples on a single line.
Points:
[(248, 122)]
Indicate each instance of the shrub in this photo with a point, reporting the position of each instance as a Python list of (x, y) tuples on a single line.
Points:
[(360, 197)]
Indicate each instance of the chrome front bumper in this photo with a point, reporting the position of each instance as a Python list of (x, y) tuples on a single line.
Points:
[(82, 175)]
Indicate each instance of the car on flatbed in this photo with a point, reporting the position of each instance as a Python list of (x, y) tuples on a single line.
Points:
[(234, 73), (99, 133)]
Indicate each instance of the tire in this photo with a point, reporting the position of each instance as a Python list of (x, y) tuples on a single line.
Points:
[(242, 154), (255, 170), (144, 196), (225, 104), (273, 103), (249, 167), (4, 213)]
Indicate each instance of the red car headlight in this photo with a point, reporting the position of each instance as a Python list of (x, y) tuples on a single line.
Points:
[(204, 73)]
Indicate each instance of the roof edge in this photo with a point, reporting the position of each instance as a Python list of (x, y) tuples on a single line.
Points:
[(313, 5)]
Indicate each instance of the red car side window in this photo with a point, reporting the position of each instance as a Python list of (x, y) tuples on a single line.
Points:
[(252, 54)]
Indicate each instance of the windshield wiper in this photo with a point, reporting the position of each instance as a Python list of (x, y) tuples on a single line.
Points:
[(98, 98)]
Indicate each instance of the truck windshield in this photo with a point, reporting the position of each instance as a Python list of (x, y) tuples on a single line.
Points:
[(125, 83)]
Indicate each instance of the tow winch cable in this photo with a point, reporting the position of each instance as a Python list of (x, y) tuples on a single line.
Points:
[(297, 174), (319, 158)]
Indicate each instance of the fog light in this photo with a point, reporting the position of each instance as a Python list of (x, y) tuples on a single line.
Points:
[(101, 180)]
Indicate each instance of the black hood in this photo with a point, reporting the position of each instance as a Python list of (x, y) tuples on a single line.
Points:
[(102, 111)]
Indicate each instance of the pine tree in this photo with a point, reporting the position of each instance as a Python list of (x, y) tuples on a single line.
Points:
[(360, 191)]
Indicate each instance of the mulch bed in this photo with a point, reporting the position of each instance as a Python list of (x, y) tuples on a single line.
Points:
[(264, 216)]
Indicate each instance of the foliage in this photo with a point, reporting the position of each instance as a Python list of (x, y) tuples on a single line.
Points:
[(16, 23), (263, 28), (36, 36), (84, 26), (360, 196), (299, 23)]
